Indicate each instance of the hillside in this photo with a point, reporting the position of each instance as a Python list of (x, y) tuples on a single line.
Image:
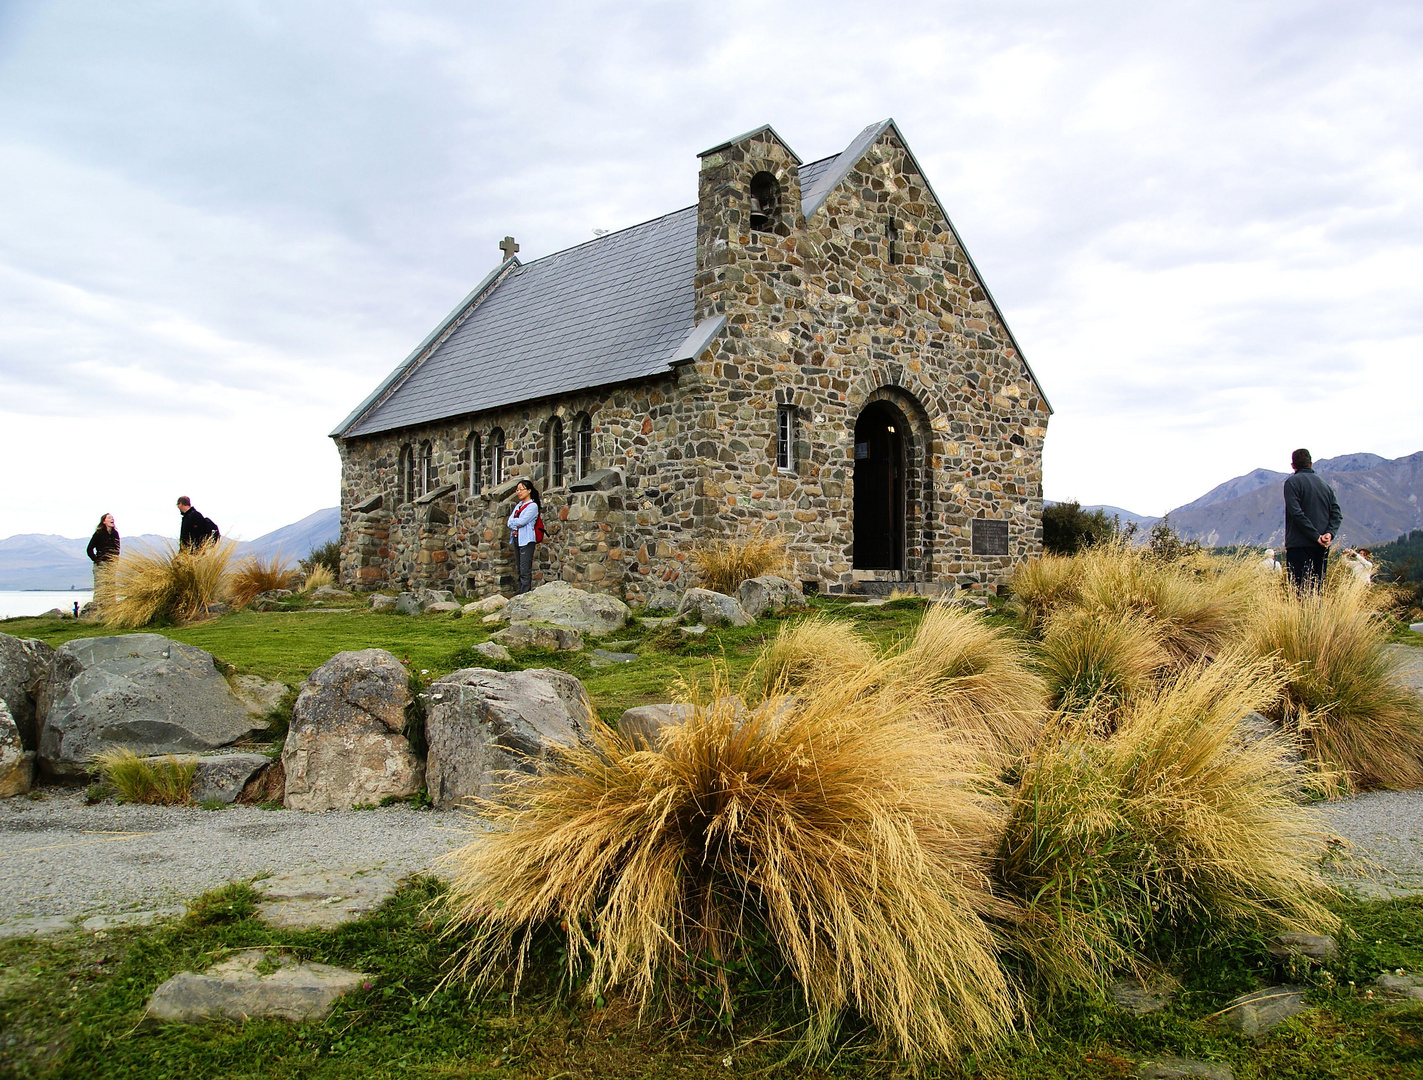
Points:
[(43, 561)]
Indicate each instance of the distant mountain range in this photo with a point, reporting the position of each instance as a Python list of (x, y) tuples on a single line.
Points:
[(1381, 500), (41, 561)]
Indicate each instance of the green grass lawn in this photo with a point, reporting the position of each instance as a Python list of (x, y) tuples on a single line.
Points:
[(73, 1007)]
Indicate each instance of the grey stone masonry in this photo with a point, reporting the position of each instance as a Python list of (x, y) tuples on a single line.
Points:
[(870, 303)]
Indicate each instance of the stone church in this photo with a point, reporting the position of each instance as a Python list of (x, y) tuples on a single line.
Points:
[(807, 352)]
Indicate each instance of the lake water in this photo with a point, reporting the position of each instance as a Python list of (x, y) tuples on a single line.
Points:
[(14, 604)]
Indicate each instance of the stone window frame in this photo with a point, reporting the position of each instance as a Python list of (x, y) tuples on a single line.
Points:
[(787, 428), (583, 445), (426, 476), (405, 474), (554, 455), (474, 460), (498, 457)]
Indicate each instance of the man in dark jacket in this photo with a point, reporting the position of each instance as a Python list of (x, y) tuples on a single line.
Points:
[(196, 530), (1312, 516)]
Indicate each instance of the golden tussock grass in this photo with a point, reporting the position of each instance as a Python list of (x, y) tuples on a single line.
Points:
[(1340, 688), (840, 826), (170, 583), (1042, 585), (317, 576), (972, 677), (166, 781), (1096, 664), (257, 574), (724, 564), (1175, 819), (808, 652)]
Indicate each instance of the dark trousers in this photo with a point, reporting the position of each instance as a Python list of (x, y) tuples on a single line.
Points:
[(1306, 566), (524, 560)]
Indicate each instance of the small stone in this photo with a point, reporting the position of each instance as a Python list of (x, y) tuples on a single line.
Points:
[(237, 990), (331, 592), (714, 608), (221, 777), (486, 606), (1133, 997), (1310, 946), (604, 658), (695, 631), (214, 609), (655, 622), (1407, 987), (443, 606), (407, 604), (492, 618), (321, 899), (1256, 1014), (524, 635), (383, 604), (493, 650), (1416, 627), (1170, 1067), (664, 599)]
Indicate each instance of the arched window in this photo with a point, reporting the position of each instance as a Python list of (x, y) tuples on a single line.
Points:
[(474, 459), (555, 452), (765, 201), (405, 474), (585, 446), (496, 457), (428, 481)]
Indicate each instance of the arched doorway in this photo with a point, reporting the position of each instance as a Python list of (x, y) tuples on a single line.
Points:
[(880, 463)]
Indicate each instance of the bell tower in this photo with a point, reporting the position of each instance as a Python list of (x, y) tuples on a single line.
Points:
[(748, 202)]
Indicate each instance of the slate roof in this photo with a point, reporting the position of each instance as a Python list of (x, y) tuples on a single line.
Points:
[(612, 310)]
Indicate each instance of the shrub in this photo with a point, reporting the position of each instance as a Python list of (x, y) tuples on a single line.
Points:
[(166, 781), (1094, 664), (327, 555), (1174, 821), (843, 831), (258, 574), (171, 583), (807, 653), (1342, 693), (316, 577), (973, 678), (1067, 528), (725, 564)]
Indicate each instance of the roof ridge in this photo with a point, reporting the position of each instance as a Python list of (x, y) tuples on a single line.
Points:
[(606, 235)]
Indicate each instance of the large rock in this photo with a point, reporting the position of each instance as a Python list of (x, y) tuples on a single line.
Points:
[(759, 595), (220, 778), (481, 723), (345, 746), (24, 672), (142, 692), (713, 608), (241, 988), (383, 604), (525, 635), (260, 697), (560, 604), (664, 599), (643, 725), (16, 763)]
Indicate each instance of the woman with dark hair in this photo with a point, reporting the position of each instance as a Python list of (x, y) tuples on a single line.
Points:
[(521, 531), (103, 545)]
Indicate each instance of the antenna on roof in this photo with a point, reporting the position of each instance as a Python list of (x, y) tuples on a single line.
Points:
[(508, 247)]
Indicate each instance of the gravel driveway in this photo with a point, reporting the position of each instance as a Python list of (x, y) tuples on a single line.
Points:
[(61, 860)]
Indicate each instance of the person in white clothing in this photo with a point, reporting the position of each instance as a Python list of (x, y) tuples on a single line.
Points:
[(521, 531)]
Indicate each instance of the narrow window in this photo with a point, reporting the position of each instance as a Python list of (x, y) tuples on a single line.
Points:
[(765, 201), (585, 447), (891, 243), (427, 468), (405, 474), (496, 457), (553, 452), (785, 438), (475, 460)]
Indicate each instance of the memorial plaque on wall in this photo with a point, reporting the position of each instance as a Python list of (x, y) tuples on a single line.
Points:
[(990, 537)]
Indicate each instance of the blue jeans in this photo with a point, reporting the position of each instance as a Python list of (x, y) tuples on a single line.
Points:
[(524, 560)]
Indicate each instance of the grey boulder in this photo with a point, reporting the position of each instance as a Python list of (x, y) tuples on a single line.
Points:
[(759, 595), (526, 635), (17, 764), (1254, 1015), (238, 989), (493, 650), (221, 777), (407, 604), (345, 744), (643, 726), (24, 671), (382, 603), (560, 604), (664, 599), (1318, 947), (259, 696), (487, 606), (1405, 987), (331, 592), (713, 608), (142, 692), (481, 724)]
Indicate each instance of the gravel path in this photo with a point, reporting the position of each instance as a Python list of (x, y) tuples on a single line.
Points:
[(1385, 829), (61, 860)]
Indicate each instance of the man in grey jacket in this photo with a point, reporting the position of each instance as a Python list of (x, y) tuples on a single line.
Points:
[(1312, 516)]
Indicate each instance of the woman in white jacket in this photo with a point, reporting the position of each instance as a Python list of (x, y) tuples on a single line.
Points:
[(521, 531)]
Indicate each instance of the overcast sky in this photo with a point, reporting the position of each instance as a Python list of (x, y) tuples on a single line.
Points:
[(223, 224)]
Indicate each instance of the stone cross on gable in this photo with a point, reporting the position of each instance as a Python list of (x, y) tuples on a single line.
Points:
[(508, 247)]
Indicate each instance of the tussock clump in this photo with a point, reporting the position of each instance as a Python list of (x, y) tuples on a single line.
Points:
[(842, 830), (316, 577), (1096, 664), (807, 653), (258, 574), (166, 781), (1173, 820), (1341, 691), (171, 583), (725, 564), (973, 678), (1043, 585)]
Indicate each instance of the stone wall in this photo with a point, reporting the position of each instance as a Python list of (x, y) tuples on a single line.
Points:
[(870, 301)]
